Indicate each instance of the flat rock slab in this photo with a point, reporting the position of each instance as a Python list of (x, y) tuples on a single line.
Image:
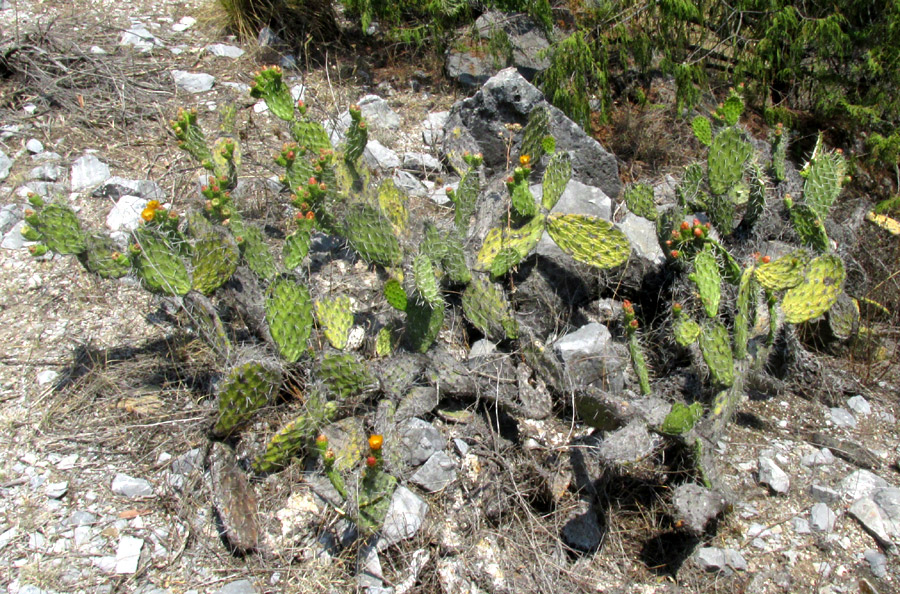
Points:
[(403, 519), (225, 51), (716, 559), (234, 500), (193, 82), (128, 486), (437, 472), (88, 171), (772, 476), (632, 443), (128, 554), (696, 506)]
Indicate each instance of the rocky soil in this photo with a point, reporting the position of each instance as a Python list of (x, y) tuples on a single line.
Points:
[(109, 483)]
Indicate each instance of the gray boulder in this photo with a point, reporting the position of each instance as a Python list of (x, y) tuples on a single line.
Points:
[(5, 165), (88, 171), (697, 506), (590, 357)]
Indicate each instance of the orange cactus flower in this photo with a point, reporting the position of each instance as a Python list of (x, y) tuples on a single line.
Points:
[(524, 160), (375, 442)]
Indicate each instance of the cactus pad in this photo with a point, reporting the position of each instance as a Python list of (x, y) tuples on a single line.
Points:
[(686, 332), (357, 136), (159, 266), (336, 316), (214, 258), (681, 418), (372, 236), (824, 179), (395, 294), (639, 200), (716, 348), (464, 199), (454, 262), (589, 240), (706, 277), (190, 136), (296, 245), (423, 323), (344, 375), (374, 499), (809, 227), (522, 199), (783, 273), (556, 178), (756, 200), (310, 136), (726, 158), (206, 320), (485, 305), (253, 246), (537, 128), (425, 280), (102, 257), (247, 388), (746, 301), (731, 109), (268, 85), (385, 342), (393, 204), (822, 284), (702, 129), (289, 315), (59, 226), (521, 240)]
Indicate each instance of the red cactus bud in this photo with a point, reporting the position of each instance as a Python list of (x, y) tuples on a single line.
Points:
[(685, 226), (633, 324), (698, 232), (371, 461), (674, 253), (321, 440), (766, 259), (696, 222), (676, 307)]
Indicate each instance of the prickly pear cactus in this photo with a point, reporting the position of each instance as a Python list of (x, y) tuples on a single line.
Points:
[(425, 280), (702, 130), (536, 130), (521, 198), (706, 277), (226, 159), (486, 307), (746, 300), (269, 85), (589, 240), (385, 342), (374, 499), (190, 136), (292, 439), (756, 199), (57, 226), (824, 179), (681, 418), (809, 227), (203, 316), (731, 109), (822, 284), (784, 273), (158, 264), (289, 316), (423, 323), (716, 348), (721, 212), (103, 258), (253, 247), (466, 194), (727, 155), (556, 178), (521, 241), (454, 261), (372, 236), (779, 143), (639, 200), (344, 375), (686, 331), (395, 294), (247, 388), (310, 136), (393, 204), (296, 245), (214, 258), (336, 316)]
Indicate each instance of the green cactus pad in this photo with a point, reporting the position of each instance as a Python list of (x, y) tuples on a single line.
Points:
[(289, 315), (395, 294), (357, 137), (728, 266), (226, 159), (784, 273), (727, 155), (204, 317), (521, 240), (589, 240), (454, 262), (822, 284), (336, 316), (394, 206), (702, 130), (721, 212), (60, 228), (385, 342), (434, 244), (716, 348), (686, 332), (537, 128), (372, 236), (843, 317), (190, 136), (465, 198), (253, 247), (756, 201), (296, 245), (268, 85), (293, 438), (810, 227), (425, 280), (103, 258), (639, 200), (311, 136), (374, 499), (825, 177), (681, 418), (247, 389), (159, 266), (639, 362), (691, 185), (746, 301), (215, 258), (485, 305), (556, 178), (344, 375), (522, 199), (731, 109), (779, 154), (706, 277), (423, 323)]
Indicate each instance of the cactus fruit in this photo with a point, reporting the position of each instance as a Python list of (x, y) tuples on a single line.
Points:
[(372, 236), (727, 155), (702, 130), (485, 305), (296, 245), (822, 284), (784, 273), (809, 227), (589, 240), (102, 257), (423, 324), (824, 179), (59, 228), (706, 277), (425, 280), (268, 85), (537, 128), (395, 294), (247, 388), (215, 258), (190, 136), (639, 200), (681, 418), (158, 264), (521, 240), (344, 375), (293, 438), (289, 315), (336, 316), (253, 246), (556, 178), (716, 349), (393, 204), (357, 136)]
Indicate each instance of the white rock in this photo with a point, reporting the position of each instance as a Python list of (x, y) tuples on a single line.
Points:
[(88, 171), (378, 156), (859, 405), (841, 417), (140, 38), (225, 51), (126, 214), (97, 50), (403, 519), (774, 477), (47, 376), (34, 146), (193, 82), (131, 487), (184, 24), (861, 483)]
